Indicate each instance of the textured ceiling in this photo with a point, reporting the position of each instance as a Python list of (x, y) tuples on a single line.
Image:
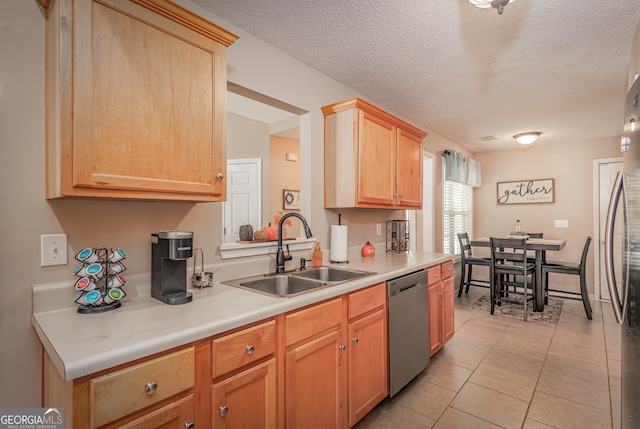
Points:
[(559, 67)]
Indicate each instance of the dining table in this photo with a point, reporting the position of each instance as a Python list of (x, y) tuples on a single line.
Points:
[(539, 246)]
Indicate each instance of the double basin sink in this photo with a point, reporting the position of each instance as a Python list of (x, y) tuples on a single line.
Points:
[(297, 282)]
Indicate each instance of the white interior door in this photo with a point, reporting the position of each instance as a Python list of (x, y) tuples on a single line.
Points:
[(606, 175), (244, 196)]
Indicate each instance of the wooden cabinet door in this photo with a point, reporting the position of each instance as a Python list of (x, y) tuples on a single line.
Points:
[(409, 170), (376, 160), (140, 100), (177, 415), (436, 340), (246, 400), (448, 323), (314, 384), (368, 377)]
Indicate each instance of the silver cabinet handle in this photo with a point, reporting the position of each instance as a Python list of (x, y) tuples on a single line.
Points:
[(219, 176), (355, 340), (250, 349), (224, 410), (150, 387), (189, 425), (342, 348)]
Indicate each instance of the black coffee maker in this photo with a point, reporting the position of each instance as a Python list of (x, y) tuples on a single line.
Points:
[(169, 253)]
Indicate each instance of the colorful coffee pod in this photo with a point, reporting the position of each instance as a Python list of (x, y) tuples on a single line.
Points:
[(87, 255), (88, 298), (85, 284), (116, 281), (117, 255), (93, 270), (114, 294), (93, 298)]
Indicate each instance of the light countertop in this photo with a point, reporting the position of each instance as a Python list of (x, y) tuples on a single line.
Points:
[(81, 344)]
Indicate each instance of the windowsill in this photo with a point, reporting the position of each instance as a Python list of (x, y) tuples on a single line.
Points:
[(241, 250)]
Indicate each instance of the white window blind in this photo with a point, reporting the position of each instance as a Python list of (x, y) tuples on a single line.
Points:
[(457, 213)]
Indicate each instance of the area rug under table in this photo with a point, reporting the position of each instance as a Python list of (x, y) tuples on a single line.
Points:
[(551, 313)]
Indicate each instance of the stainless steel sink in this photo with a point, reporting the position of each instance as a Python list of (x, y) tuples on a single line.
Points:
[(279, 285), (297, 282), (329, 274)]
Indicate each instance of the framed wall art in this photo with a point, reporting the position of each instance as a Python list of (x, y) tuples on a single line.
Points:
[(535, 191), (290, 199)]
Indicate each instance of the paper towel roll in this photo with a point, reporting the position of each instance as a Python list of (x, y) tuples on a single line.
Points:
[(338, 243)]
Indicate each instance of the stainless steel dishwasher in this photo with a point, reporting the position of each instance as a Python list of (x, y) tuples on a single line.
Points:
[(408, 328)]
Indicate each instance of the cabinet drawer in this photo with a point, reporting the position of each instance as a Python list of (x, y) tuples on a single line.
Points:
[(130, 389), (434, 275), (366, 300), (238, 349), (447, 269), (311, 321)]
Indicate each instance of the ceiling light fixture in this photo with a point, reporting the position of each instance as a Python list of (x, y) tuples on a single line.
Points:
[(527, 138), (487, 4)]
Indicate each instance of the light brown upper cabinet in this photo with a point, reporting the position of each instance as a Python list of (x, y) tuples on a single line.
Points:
[(136, 101), (371, 158)]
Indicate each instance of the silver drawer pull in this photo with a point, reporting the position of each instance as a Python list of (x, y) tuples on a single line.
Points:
[(355, 340), (250, 349), (150, 387), (189, 425), (219, 176), (342, 348), (224, 410)]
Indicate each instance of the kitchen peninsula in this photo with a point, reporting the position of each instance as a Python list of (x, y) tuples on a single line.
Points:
[(101, 352)]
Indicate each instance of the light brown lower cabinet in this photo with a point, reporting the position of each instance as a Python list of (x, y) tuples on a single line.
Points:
[(247, 399), (332, 380), (243, 368), (441, 303), (368, 377), (317, 367)]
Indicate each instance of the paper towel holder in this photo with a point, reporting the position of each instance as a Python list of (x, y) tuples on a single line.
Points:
[(346, 261)]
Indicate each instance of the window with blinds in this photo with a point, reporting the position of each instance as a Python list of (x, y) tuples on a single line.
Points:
[(457, 213)]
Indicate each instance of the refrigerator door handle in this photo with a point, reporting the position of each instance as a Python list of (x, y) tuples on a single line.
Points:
[(618, 191)]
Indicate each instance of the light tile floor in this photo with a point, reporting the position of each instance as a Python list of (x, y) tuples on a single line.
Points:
[(501, 372)]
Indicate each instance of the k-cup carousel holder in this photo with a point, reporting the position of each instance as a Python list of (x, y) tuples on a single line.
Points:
[(100, 280)]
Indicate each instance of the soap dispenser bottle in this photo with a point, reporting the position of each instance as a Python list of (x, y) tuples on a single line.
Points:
[(316, 256)]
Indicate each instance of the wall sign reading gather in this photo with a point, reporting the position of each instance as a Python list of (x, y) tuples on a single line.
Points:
[(525, 192)]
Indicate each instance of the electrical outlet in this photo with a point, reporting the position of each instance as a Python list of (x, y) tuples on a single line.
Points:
[(378, 229), (561, 224), (53, 249)]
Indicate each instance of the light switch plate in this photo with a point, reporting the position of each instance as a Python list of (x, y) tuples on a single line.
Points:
[(561, 224), (378, 229), (53, 249)]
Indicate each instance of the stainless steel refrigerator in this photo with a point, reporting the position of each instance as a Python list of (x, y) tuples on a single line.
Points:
[(625, 296)]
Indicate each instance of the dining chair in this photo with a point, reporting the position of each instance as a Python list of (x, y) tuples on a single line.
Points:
[(572, 269), (467, 261), (508, 263)]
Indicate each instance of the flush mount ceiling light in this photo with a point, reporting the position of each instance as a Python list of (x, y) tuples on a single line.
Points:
[(527, 138), (487, 4)]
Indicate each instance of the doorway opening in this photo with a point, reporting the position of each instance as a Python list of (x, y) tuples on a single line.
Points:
[(604, 175)]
